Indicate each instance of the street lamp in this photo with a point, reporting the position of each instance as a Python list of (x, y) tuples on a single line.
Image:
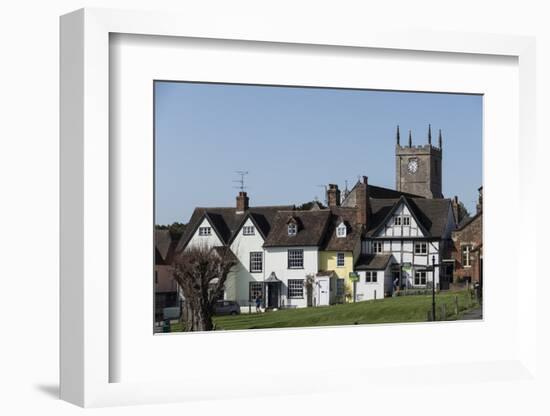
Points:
[(433, 288)]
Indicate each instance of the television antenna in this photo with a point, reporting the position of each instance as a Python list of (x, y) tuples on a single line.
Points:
[(242, 174)]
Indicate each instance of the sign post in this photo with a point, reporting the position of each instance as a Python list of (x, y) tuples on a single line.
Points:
[(354, 277)]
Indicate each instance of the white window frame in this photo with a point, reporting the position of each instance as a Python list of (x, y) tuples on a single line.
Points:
[(407, 219), (294, 256), (248, 230), (341, 256), (295, 288), (397, 220), (341, 230), (466, 255), (376, 244), (205, 231), (260, 290), (292, 229), (255, 262), (420, 244), (420, 278)]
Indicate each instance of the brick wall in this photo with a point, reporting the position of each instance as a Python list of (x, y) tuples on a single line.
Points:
[(471, 234)]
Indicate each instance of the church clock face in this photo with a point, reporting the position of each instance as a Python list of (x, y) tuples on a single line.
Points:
[(412, 166)]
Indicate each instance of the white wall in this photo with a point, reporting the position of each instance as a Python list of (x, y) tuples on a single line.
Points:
[(210, 241), (241, 246), (277, 261), (366, 290), (392, 230)]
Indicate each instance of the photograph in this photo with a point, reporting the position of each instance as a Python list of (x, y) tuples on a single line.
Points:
[(290, 206)]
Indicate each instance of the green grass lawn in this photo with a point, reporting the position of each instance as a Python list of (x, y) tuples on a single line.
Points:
[(388, 310)]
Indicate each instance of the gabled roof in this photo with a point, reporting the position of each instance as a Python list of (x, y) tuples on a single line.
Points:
[(313, 225), (164, 247), (466, 221), (401, 201), (378, 192), (373, 262), (226, 222), (430, 214), (353, 230)]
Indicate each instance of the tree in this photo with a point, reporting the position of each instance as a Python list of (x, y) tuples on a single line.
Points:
[(201, 272), (306, 206), (176, 229)]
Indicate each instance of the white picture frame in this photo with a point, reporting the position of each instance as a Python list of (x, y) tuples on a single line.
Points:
[(86, 352)]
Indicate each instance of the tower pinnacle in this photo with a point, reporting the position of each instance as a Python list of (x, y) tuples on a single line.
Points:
[(397, 136)]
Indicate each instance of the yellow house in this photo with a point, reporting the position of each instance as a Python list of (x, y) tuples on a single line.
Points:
[(342, 247)]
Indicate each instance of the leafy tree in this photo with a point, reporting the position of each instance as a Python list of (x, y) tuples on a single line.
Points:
[(201, 272)]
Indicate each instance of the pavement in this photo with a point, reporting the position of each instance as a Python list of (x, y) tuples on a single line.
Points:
[(475, 313)]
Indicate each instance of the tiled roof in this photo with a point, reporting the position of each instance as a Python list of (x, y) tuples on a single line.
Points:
[(466, 221), (164, 246), (377, 192), (432, 214), (373, 262), (353, 230), (311, 230), (226, 222)]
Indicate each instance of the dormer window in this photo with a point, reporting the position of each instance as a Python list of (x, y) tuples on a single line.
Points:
[(248, 230), (292, 228), (341, 230)]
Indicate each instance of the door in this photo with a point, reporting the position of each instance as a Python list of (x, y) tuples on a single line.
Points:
[(324, 295), (273, 296)]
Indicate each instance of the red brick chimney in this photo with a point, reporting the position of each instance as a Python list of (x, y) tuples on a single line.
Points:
[(363, 202), (333, 195), (242, 202)]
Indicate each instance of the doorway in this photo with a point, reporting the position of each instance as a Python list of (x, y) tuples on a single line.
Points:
[(273, 291)]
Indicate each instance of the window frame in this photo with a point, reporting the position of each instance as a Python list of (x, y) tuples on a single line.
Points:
[(250, 262), (425, 272), (341, 231), (420, 243), (249, 228), (261, 285), (294, 250), (290, 289), (375, 244), (205, 231), (340, 253), (466, 253), (397, 220), (294, 227), (408, 218), (371, 276)]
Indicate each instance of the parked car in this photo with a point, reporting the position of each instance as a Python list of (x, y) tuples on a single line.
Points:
[(227, 307)]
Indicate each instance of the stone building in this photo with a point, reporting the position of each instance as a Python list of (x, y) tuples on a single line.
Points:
[(418, 169), (467, 249)]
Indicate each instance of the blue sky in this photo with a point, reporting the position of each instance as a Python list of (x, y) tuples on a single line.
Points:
[(291, 140)]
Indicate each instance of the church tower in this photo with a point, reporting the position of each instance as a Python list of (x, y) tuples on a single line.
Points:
[(418, 168)]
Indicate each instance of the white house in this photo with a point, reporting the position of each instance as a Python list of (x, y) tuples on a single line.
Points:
[(279, 248), (375, 276), (292, 257), (415, 232)]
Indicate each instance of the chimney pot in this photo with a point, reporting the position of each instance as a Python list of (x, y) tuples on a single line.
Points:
[(333, 195), (242, 202), (363, 202)]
